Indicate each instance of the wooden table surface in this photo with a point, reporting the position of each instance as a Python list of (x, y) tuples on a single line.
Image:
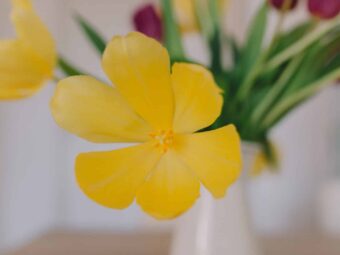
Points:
[(159, 244)]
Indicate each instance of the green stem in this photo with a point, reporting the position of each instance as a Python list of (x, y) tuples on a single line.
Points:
[(215, 41), (67, 68), (279, 25), (298, 97), (214, 13), (258, 67), (172, 35), (204, 19), (91, 34), (275, 91), (209, 22), (300, 45), (215, 49)]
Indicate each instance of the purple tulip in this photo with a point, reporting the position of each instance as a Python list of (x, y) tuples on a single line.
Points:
[(279, 4), (324, 9), (147, 21)]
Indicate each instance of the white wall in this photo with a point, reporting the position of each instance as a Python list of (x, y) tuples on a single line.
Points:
[(29, 154)]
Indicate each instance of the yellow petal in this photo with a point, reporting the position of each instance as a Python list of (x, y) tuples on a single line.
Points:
[(112, 178), (24, 4), (95, 111), (215, 157), (261, 162), (28, 61), (259, 165), (185, 14), (139, 67), (32, 31), (198, 99), (170, 190), (21, 72)]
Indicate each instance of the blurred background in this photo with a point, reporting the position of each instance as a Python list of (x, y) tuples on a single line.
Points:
[(38, 192)]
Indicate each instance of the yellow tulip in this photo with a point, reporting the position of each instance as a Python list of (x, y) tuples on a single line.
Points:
[(158, 110), (186, 13), (27, 61)]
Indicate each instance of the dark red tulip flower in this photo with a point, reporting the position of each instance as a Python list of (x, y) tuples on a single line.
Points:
[(279, 4), (147, 21), (324, 9)]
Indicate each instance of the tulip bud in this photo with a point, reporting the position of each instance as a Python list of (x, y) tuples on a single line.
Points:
[(147, 21), (324, 9), (284, 4)]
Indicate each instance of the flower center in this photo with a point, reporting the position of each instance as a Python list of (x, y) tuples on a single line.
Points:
[(163, 139)]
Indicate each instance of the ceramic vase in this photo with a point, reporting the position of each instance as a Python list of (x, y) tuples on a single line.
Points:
[(219, 227)]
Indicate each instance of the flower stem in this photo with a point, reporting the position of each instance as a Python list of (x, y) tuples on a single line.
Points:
[(300, 45), (214, 41), (298, 97), (275, 90), (172, 35), (256, 70), (67, 68)]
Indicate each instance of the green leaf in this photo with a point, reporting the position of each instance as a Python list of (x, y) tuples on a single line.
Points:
[(67, 68), (215, 40), (291, 36), (265, 104), (249, 129), (253, 48), (252, 56), (289, 103), (236, 51), (315, 63), (304, 72), (216, 54), (234, 48), (97, 41), (302, 44), (202, 12)]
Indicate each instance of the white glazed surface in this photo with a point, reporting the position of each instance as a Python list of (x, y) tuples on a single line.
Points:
[(219, 227)]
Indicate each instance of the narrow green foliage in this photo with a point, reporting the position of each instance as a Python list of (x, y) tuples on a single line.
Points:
[(302, 44), (252, 50), (286, 39), (252, 56), (171, 32), (94, 37), (67, 68), (215, 39), (289, 103)]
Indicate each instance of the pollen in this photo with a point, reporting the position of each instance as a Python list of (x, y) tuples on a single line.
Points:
[(163, 139)]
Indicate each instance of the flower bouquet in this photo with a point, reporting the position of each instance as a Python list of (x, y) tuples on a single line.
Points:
[(265, 79)]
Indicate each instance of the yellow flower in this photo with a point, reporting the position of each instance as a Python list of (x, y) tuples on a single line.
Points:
[(186, 13), (27, 61), (160, 112), (261, 162)]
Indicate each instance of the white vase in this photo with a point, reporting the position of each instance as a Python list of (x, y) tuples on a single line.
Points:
[(219, 227)]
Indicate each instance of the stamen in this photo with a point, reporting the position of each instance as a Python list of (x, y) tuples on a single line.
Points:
[(163, 139)]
